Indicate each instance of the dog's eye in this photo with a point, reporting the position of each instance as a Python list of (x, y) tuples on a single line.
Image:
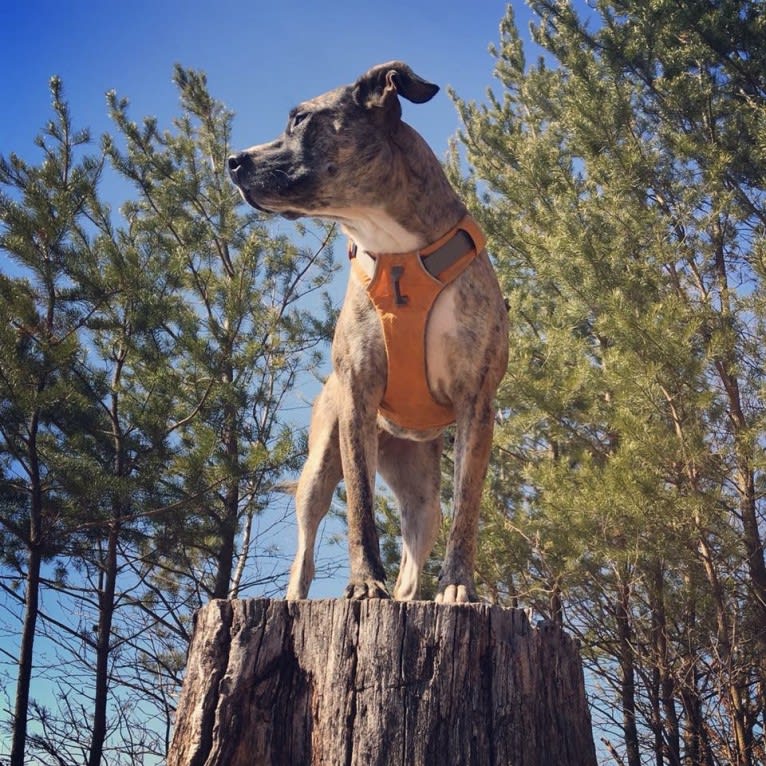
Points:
[(296, 120)]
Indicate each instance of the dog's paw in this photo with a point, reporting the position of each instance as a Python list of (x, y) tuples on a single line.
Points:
[(362, 589), (456, 594)]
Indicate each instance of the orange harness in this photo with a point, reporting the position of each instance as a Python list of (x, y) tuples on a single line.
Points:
[(403, 289)]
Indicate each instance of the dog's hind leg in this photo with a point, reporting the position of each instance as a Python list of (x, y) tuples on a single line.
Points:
[(412, 471), (319, 478)]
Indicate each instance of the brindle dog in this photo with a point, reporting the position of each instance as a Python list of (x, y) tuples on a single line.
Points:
[(347, 156)]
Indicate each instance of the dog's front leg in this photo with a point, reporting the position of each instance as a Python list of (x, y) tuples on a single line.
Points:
[(472, 449), (359, 452)]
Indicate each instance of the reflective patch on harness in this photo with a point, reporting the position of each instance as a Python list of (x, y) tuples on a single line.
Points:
[(403, 290)]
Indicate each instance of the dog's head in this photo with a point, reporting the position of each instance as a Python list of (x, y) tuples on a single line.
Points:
[(336, 150)]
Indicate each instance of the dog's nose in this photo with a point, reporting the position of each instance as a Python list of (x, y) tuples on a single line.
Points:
[(236, 162)]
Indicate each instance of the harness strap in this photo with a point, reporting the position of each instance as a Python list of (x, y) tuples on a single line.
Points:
[(449, 253), (447, 250), (403, 290)]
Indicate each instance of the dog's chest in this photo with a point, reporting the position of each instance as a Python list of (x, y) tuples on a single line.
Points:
[(413, 310)]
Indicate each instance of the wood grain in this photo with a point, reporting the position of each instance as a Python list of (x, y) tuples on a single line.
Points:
[(357, 683)]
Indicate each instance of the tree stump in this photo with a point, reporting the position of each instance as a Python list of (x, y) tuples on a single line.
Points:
[(379, 682)]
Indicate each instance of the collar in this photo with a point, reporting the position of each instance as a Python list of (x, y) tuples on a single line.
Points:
[(447, 250)]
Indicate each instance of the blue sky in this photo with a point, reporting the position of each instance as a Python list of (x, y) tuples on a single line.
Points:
[(261, 58)]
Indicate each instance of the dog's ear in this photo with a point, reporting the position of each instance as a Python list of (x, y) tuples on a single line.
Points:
[(380, 87)]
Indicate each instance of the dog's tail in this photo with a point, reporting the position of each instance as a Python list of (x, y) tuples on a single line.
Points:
[(289, 487)]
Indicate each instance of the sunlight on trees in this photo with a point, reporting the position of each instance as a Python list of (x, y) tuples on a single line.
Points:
[(621, 181)]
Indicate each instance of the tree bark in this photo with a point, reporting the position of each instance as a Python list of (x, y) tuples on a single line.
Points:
[(379, 682)]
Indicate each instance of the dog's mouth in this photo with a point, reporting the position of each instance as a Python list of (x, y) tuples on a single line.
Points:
[(237, 173), (248, 197)]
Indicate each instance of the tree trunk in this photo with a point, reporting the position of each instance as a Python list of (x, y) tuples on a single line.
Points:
[(26, 657), (668, 735), (627, 672), (31, 599), (379, 682), (106, 607)]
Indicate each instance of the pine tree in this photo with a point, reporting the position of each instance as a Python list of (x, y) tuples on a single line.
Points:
[(247, 336), (43, 307), (621, 181), (147, 360)]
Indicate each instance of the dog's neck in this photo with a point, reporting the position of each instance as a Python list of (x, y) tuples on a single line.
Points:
[(420, 205), (375, 231)]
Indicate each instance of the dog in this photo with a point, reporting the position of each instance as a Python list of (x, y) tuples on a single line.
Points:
[(347, 156)]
